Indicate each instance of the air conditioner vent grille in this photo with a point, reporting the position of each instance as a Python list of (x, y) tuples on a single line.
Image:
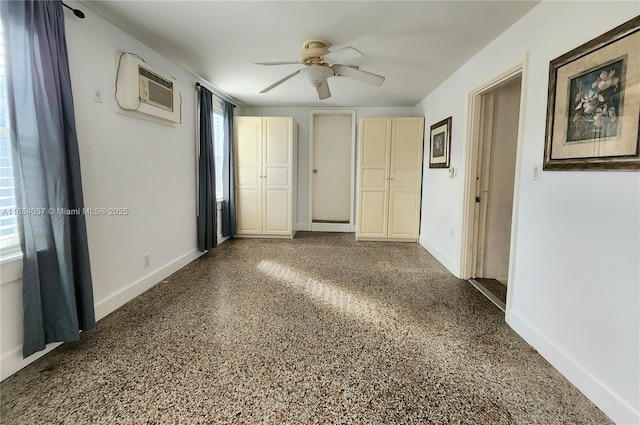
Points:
[(160, 97), (154, 77)]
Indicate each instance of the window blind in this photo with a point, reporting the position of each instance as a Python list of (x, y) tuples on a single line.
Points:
[(9, 242), (218, 150)]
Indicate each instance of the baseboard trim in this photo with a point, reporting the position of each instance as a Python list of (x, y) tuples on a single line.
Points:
[(601, 395), (12, 361), (303, 227), (438, 255), (126, 294)]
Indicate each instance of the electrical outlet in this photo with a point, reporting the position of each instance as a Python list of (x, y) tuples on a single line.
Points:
[(146, 260), (97, 95)]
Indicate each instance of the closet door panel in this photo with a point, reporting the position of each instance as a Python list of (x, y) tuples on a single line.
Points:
[(248, 177), (248, 211), (373, 179), (373, 222), (247, 139), (406, 178), (278, 178), (403, 223), (407, 141), (247, 144), (375, 137), (277, 181), (278, 138), (277, 214)]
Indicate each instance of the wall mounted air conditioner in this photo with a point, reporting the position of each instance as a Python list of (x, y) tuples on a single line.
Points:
[(140, 89)]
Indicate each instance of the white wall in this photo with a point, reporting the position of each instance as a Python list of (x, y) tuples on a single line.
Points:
[(126, 162), (576, 277), (302, 116), (575, 288)]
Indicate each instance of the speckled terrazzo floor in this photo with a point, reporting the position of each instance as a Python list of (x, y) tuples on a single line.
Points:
[(319, 329)]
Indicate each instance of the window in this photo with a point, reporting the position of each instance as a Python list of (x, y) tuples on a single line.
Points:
[(9, 242), (218, 147)]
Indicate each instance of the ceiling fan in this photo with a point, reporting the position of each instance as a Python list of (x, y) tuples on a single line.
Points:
[(320, 64)]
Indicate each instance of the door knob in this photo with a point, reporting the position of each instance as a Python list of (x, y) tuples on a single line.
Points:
[(315, 171)]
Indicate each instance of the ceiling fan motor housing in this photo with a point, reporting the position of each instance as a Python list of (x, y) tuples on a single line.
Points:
[(314, 49)]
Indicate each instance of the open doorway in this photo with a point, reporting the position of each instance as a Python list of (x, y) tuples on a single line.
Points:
[(492, 171), (331, 164)]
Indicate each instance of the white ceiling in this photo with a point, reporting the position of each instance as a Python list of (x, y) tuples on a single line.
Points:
[(414, 44)]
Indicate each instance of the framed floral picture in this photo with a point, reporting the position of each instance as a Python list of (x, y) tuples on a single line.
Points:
[(440, 146), (593, 110)]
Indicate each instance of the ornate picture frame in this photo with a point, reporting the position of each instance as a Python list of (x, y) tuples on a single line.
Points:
[(593, 109), (440, 144)]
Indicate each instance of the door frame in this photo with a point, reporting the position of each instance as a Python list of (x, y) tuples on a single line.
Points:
[(474, 130), (333, 227)]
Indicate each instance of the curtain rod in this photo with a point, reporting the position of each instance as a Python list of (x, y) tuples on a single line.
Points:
[(76, 12), (218, 96)]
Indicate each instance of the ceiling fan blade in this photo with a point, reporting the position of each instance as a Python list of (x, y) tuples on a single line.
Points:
[(323, 91), (276, 84), (342, 55), (358, 74), (277, 63)]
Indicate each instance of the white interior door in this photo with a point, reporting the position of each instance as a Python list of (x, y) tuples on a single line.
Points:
[(497, 164), (332, 168)]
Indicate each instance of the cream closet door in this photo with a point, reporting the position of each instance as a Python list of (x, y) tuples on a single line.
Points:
[(277, 180), (405, 181), (248, 140), (375, 135), (390, 178)]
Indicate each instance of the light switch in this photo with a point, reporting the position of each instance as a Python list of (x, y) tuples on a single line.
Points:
[(97, 95), (452, 172), (536, 172)]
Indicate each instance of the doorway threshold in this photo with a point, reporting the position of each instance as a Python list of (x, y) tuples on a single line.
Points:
[(331, 221), (495, 291)]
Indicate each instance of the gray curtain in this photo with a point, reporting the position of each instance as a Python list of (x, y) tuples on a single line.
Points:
[(229, 203), (57, 289), (207, 220)]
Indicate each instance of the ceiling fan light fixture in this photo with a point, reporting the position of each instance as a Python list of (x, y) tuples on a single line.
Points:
[(317, 74), (320, 64)]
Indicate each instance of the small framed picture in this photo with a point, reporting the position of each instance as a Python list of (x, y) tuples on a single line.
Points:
[(593, 108), (440, 145)]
